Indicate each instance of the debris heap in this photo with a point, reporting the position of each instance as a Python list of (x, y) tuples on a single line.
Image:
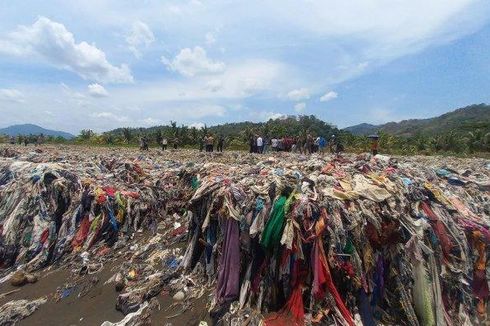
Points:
[(286, 239)]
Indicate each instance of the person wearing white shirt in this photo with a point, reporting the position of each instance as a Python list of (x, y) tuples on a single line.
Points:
[(260, 145), (274, 143)]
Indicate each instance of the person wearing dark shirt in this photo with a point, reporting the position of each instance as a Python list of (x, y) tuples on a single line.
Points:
[(221, 142)]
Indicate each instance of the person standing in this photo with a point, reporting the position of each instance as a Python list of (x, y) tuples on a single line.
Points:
[(331, 144), (210, 144), (164, 143), (322, 143), (309, 143), (251, 143), (260, 144), (316, 144), (221, 142), (206, 145), (274, 143), (142, 144), (176, 142), (300, 144), (374, 144)]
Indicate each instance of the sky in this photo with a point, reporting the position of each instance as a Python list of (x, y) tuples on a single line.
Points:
[(104, 64)]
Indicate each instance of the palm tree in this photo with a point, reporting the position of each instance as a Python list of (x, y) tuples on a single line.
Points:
[(127, 135)]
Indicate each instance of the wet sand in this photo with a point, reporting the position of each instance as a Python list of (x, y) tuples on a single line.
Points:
[(97, 306)]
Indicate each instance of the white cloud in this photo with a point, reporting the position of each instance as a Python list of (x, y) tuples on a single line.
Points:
[(97, 90), (11, 95), (210, 39), (139, 37), (109, 116), (197, 125), (52, 42), (191, 62), (300, 107), (266, 115), (328, 96), (299, 94), (275, 116), (324, 44)]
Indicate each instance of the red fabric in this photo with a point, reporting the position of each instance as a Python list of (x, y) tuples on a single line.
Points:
[(323, 282), (110, 191), (348, 268), (322, 279), (138, 169), (103, 251), (327, 169), (101, 199), (44, 236), (293, 313), (180, 230), (81, 234), (132, 194), (439, 230)]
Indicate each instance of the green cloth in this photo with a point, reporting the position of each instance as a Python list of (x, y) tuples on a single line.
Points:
[(275, 225), (349, 247), (195, 183)]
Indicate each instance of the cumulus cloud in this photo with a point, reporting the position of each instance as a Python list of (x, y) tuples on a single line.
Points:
[(300, 107), (328, 96), (299, 94), (191, 62), (11, 95), (139, 37), (97, 90), (52, 42)]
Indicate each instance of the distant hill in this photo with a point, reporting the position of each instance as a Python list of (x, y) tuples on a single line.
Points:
[(31, 129), (461, 120), (362, 129)]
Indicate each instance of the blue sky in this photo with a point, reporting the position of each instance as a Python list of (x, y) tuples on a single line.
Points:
[(106, 64)]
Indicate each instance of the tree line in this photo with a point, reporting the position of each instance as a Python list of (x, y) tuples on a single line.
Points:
[(461, 141)]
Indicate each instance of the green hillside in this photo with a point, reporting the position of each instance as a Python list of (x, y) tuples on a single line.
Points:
[(463, 120)]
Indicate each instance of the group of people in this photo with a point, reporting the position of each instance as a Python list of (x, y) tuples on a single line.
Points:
[(303, 145), (36, 140), (257, 144), (164, 142), (207, 143), (260, 145)]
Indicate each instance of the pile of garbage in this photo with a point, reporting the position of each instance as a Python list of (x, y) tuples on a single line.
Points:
[(286, 239)]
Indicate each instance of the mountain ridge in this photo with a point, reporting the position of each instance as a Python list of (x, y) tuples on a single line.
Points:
[(467, 118), (33, 129)]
